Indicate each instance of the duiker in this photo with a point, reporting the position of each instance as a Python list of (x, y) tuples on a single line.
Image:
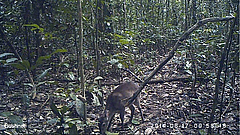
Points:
[(115, 105)]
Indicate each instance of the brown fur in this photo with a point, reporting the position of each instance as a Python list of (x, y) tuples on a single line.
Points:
[(115, 105)]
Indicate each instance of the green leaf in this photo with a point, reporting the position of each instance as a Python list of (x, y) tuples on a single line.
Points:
[(178, 52), (18, 66), (15, 119), (40, 83), (98, 78), (66, 65), (26, 64), (96, 100), (40, 61), (120, 65), (119, 36), (11, 60), (189, 72), (110, 133), (31, 25), (43, 74), (135, 122), (73, 96), (5, 54), (52, 121), (80, 107), (21, 65), (71, 75), (196, 99), (113, 61), (2, 61), (202, 132), (28, 84), (59, 50), (36, 27), (64, 109), (73, 130), (124, 41), (5, 114), (41, 29), (55, 110)]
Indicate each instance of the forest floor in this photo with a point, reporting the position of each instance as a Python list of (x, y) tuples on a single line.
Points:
[(174, 108), (168, 108)]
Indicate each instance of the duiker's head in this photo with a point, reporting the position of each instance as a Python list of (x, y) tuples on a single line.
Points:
[(103, 123)]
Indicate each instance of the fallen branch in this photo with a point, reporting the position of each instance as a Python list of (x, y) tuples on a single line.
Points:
[(182, 79), (171, 53)]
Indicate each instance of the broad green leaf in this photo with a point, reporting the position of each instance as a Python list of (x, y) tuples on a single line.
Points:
[(21, 65), (11, 60), (80, 107), (15, 119), (73, 130), (26, 64), (18, 66), (40, 61), (5, 114), (5, 54)]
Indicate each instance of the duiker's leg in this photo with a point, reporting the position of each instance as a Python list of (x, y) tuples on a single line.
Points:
[(137, 103), (111, 115), (132, 108), (122, 112)]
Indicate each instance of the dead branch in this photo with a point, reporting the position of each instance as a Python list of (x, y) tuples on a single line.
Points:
[(171, 53)]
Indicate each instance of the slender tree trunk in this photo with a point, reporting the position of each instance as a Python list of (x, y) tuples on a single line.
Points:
[(217, 87), (27, 39), (80, 67)]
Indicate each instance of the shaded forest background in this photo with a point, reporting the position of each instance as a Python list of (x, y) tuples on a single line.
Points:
[(59, 59)]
